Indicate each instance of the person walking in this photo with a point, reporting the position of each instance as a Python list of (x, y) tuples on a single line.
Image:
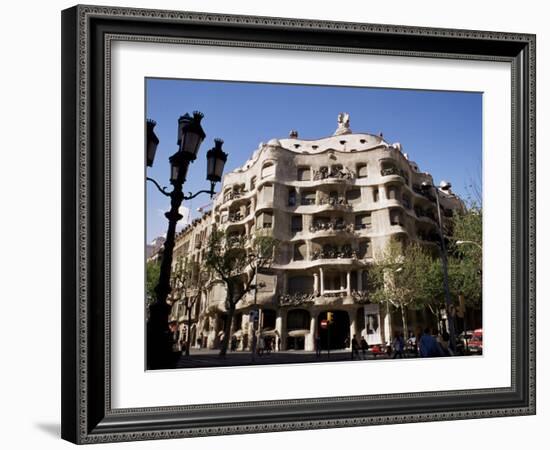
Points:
[(261, 345), (355, 348), (428, 346), (398, 345), (364, 347), (317, 345)]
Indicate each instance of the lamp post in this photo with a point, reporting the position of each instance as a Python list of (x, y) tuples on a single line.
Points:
[(443, 253), (190, 137), (255, 311)]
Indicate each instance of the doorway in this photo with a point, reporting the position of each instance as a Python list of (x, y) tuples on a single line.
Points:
[(339, 330)]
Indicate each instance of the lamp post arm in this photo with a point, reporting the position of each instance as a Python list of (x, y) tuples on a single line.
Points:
[(191, 195), (162, 190), (204, 191)]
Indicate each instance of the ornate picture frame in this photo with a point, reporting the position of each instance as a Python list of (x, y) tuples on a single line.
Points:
[(87, 35)]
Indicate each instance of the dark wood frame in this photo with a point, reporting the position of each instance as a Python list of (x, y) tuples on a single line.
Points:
[(87, 416)]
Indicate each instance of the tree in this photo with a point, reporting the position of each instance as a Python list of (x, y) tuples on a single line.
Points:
[(185, 277), (152, 279), (235, 260), (466, 255), (398, 276)]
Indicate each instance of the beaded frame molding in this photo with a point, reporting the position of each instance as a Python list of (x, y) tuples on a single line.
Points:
[(87, 35)]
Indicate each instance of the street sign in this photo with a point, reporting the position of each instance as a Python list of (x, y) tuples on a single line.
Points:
[(324, 323)]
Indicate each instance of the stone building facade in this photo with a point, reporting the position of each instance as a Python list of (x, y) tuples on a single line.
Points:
[(333, 204)]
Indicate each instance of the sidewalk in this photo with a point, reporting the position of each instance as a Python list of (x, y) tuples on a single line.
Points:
[(211, 358)]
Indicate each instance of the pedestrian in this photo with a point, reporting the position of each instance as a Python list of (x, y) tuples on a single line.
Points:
[(268, 345), (355, 348), (444, 343), (364, 347), (261, 345), (428, 346), (398, 345), (317, 345), (233, 343), (277, 341), (200, 340)]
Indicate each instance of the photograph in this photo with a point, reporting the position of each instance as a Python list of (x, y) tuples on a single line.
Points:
[(325, 224)]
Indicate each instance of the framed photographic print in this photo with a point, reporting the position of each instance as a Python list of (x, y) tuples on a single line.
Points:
[(267, 222)]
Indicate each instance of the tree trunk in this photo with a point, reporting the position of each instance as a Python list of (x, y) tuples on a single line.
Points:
[(188, 344), (404, 320), (227, 329)]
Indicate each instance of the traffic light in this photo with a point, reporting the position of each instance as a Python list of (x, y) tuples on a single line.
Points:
[(329, 317)]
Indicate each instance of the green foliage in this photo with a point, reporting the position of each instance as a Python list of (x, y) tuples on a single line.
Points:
[(182, 278), (234, 260), (465, 259), (399, 275), (412, 276), (152, 279)]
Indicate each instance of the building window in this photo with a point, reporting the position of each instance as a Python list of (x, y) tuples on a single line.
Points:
[(361, 170), (267, 192), (396, 217), (365, 251), (300, 251), (268, 170), (308, 198), (363, 221), (389, 168), (375, 195), (353, 196), (406, 201), (298, 319), (253, 183), (264, 220), (393, 193), (304, 173), (291, 197), (296, 224), (300, 284), (227, 194)]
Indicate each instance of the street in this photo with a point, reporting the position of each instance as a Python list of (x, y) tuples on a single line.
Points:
[(211, 358)]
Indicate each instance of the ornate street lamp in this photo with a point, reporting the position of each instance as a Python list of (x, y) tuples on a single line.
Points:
[(216, 159), (152, 142), (190, 136), (445, 186)]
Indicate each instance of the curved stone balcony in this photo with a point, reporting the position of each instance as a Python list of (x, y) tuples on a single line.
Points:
[(332, 227), (301, 299)]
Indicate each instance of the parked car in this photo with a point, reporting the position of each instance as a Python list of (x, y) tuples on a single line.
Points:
[(471, 342)]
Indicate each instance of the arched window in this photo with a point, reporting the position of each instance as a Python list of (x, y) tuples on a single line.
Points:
[(361, 170), (353, 196), (268, 169), (304, 173)]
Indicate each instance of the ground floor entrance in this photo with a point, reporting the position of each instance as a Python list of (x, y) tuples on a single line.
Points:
[(336, 335)]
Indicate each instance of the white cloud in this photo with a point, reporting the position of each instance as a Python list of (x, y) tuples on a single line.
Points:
[(186, 213)]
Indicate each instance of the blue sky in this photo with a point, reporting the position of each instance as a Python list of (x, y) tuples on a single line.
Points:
[(440, 130)]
